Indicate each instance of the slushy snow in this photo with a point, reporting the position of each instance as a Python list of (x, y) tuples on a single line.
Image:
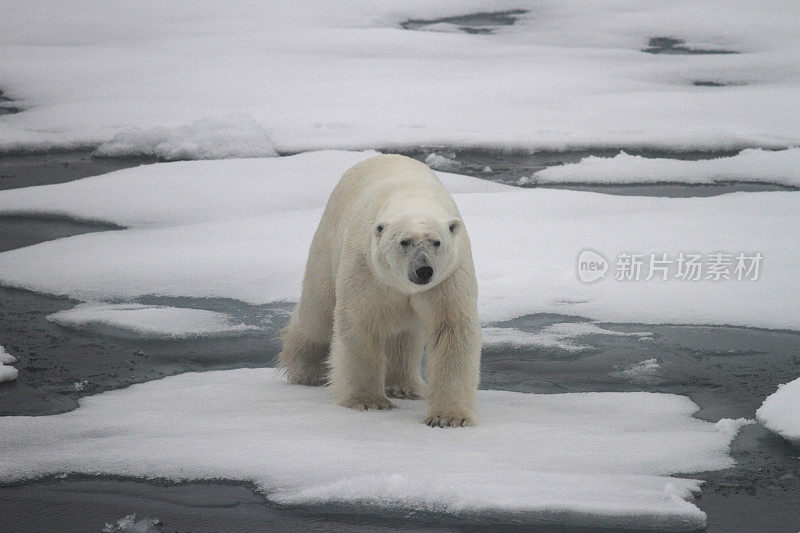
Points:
[(241, 229), (586, 459), (7, 372), (150, 320), (567, 74), (781, 167), (560, 336), (780, 412)]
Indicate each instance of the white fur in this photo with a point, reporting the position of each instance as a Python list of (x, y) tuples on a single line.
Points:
[(364, 319)]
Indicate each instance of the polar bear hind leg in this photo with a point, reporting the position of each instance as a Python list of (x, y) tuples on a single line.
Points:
[(307, 338), (404, 358)]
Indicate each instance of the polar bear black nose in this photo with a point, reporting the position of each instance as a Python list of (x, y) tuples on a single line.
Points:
[(424, 274)]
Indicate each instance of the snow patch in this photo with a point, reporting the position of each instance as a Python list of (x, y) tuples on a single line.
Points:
[(780, 411), (208, 138), (150, 320), (603, 459), (7, 372), (753, 165)]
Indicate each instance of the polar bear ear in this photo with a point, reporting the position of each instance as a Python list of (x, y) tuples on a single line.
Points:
[(379, 228), (454, 224)]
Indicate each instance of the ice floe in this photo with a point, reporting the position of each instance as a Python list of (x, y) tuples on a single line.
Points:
[(150, 320), (347, 75), (646, 371), (781, 167), (560, 336), (780, 412), (241, 228), (585, 458)]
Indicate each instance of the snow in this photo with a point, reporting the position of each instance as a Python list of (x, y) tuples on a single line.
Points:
[(558, 336), (207, 138), (752, 165), (780, 412), (241, 228), (7, 372), (567, 74), (585, 459), (150, 320)]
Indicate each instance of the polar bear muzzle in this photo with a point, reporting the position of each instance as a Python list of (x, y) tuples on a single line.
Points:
[(420, 271)]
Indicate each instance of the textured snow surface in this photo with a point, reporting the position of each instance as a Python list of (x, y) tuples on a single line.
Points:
[(241, 228), (753, 165), (780, 412), (150, 320), (561, 336), (346, 75), (588, 458), (7, 372)]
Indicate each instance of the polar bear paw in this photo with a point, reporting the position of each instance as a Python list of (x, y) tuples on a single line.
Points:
[(403, 392), (446, 421), (377, 404)]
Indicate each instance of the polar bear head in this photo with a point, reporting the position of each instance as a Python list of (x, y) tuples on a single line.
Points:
[(415, 252)]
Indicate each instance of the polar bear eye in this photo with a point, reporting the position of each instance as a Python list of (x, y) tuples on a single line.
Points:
[(405, 242), (436, 244)]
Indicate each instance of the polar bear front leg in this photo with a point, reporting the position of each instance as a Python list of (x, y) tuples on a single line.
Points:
[(453, 369), (357, 367), (453, 350)]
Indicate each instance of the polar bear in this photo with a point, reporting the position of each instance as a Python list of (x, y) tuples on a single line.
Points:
[(389, 275)]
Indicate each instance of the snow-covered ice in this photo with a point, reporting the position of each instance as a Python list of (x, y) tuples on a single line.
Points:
[(7, 372), (752, 165), (561, 336), (585, 458), (780, 412), (241, 228), (150, 320), (346, 75)]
